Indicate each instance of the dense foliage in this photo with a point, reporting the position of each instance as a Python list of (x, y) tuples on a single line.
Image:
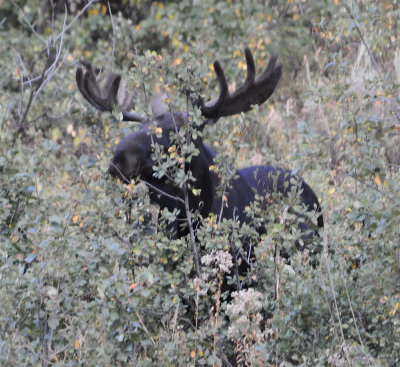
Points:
[(87, 274)]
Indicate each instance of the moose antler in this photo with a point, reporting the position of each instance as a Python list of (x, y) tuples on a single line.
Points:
[(112, 93), (253, 91)]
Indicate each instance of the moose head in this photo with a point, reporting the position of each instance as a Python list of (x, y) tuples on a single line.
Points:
[(134, 156)]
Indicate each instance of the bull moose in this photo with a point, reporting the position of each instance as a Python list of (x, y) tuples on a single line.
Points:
[(134, 155)]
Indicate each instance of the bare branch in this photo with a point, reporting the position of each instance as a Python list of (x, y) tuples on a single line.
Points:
[(75, 19), (113, 39)]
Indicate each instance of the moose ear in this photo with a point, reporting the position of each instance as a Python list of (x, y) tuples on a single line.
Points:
[(159, 104)]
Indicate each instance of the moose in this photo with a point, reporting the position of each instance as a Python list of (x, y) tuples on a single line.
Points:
[(134, 155)]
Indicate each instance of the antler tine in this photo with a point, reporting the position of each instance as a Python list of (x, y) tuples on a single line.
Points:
[(81, 86), (112, 93), (269, 69), (104, 98), (253, 91), (211, 106), (251, 68)]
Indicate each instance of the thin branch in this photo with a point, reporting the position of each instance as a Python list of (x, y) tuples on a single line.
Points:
[(141, 77), (75, 19), (222, 205), (326, 258), (149, 185), (28, 23), (113, 39), (222, 354), (186, 195), (359, 180), (355, 320), (192, 236), (52, 69), (162, 192), (27, 108), (144, 327), (375, 64)]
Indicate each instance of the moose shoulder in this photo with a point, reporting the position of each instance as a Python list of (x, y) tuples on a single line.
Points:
[(133, 156)]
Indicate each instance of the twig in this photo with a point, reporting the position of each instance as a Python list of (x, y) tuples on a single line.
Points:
[(144, 327), (191, 232), (325, 257), (149, 185), (375, 64), (113, 38), (27, 108), (186, 196), (75, 19), (177, 198), (141, 77), (359, 180), (52, 68), (222, 205), (354, 318), (222, 354), (28, 23)]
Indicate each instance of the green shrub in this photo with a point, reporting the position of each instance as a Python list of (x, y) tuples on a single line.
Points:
[(87, 274)]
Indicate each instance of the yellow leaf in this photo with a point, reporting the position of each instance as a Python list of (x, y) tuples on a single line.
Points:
[(75, 218), (87, 53), (77, 141), (133, 286), (200, 352), (393, 312), (193, 353), (77, 344), (268, 18), (377, 180)]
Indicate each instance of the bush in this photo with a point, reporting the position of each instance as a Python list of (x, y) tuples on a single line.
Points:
[(88, 275)]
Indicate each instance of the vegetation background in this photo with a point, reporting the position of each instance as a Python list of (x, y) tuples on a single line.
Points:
[(68, 293)]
